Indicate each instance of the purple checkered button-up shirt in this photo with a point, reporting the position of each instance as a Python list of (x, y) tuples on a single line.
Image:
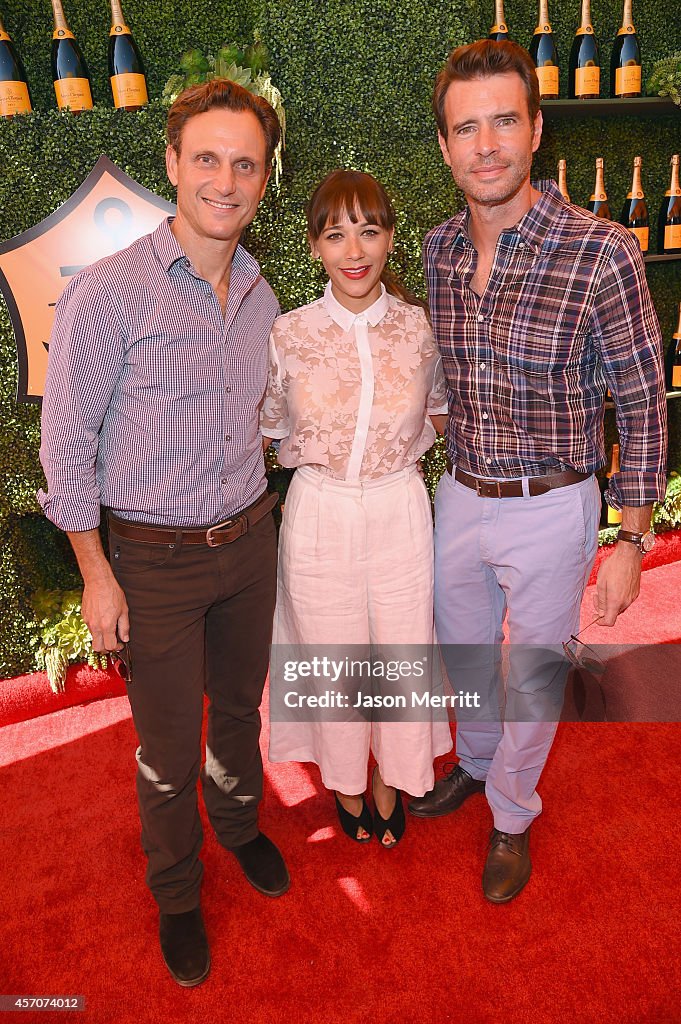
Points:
[(566, 312), (152, 397)]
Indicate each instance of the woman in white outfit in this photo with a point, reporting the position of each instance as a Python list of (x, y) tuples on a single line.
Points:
[(355, 380)]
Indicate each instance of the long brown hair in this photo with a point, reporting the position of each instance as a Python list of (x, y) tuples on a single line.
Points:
[(350, 194)]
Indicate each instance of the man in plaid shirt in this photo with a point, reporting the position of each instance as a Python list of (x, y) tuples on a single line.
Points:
[(537, 306)]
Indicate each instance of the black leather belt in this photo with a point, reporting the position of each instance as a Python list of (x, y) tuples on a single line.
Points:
[(214, 536), (514, 488)]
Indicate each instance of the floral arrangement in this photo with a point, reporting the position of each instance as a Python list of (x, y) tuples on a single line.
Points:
[(665, 79), (247, 67), (64, 637)]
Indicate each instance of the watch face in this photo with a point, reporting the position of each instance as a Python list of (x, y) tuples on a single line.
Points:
[(647, 542)]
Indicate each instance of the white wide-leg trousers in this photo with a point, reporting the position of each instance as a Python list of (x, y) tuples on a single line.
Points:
[(356, 568)]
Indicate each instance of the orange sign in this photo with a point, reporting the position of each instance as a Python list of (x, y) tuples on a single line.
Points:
[(107, 213)]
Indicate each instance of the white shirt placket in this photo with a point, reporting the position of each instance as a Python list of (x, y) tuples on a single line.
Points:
[(366, 398)]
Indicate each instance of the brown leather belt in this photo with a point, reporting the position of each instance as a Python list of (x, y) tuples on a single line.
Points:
[(214, 536), (514, 488)]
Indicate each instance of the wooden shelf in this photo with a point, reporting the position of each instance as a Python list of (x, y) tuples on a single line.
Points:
[(662, 259), (646, 106)]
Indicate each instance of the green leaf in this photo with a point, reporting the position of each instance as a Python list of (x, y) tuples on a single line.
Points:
[(230, 53)]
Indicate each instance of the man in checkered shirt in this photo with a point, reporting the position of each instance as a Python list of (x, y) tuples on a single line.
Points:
[(536, 306)]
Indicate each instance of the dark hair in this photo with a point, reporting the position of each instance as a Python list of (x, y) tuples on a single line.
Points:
[(353, 194), (220, 92), (484, 59)]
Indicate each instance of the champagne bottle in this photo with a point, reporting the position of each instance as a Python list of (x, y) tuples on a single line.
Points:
[(544, 54), (635, 209), (499, 29), (585, 66), (625, 63), (126, 72), (598, 203), (676, 357), (14, 97), (562, 180), (611, 516), (69, 70), (669, 222)]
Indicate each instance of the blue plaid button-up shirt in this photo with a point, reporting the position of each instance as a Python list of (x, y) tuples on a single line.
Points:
[(566, 312)]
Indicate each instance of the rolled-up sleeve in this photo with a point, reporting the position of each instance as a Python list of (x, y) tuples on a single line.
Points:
[(627, 335), (84, 364), (274, 415)]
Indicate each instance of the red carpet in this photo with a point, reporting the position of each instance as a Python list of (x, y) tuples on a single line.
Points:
[(364, 934)]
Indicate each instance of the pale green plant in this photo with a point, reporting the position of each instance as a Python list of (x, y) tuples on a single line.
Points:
[(247, 67), (64, 638), (665, 79)]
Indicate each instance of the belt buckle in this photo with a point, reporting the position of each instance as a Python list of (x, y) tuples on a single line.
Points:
[(239, 520), (483, 488)]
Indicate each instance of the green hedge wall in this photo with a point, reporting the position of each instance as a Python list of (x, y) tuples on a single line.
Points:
[(356, 79)]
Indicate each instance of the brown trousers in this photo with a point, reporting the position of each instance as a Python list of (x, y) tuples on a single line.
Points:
[(200, 620)]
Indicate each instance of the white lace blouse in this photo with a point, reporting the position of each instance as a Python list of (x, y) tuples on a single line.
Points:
[(351, 393)]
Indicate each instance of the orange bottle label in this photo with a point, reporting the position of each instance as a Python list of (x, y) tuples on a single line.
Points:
[(14, 99), (119, 30), (587, 81), (548, 80), (676, 377), (73, 93), (628, 79), (63, 33), (672, 236), (4, 36), (614, 516), (129, 90), (643, 235)]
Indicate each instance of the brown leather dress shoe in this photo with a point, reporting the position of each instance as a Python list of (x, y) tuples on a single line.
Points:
[(508, 866), (448, 794)]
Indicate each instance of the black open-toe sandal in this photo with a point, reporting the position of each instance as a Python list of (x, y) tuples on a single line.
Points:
[(350, 823), (395, 824)]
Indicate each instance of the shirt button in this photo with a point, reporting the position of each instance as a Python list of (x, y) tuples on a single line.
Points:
[(228, 437), (481, 318), (224, 480), (521, 245), (228, 389), (488, 461), (483, 365), (484, 416)]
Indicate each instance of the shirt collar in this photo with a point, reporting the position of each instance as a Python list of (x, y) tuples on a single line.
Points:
[(170, 253), (533, 227), (345, 318)]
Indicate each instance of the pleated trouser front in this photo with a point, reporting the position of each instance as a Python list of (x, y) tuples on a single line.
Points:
[(356, 568)]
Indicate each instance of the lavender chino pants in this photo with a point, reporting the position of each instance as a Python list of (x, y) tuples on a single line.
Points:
[(527, 559)]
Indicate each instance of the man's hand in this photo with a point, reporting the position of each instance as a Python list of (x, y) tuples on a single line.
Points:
[(105, 612), (619, 577), (104, 608), (618, 582)]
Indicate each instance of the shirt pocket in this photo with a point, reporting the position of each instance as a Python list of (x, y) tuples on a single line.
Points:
[(548, 365)]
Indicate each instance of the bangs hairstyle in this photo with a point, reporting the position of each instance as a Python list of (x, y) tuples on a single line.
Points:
[(344, 193), (349, 193)]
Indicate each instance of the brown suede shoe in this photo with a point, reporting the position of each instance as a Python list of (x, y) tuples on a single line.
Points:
[(508, 866), (448, 794)]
